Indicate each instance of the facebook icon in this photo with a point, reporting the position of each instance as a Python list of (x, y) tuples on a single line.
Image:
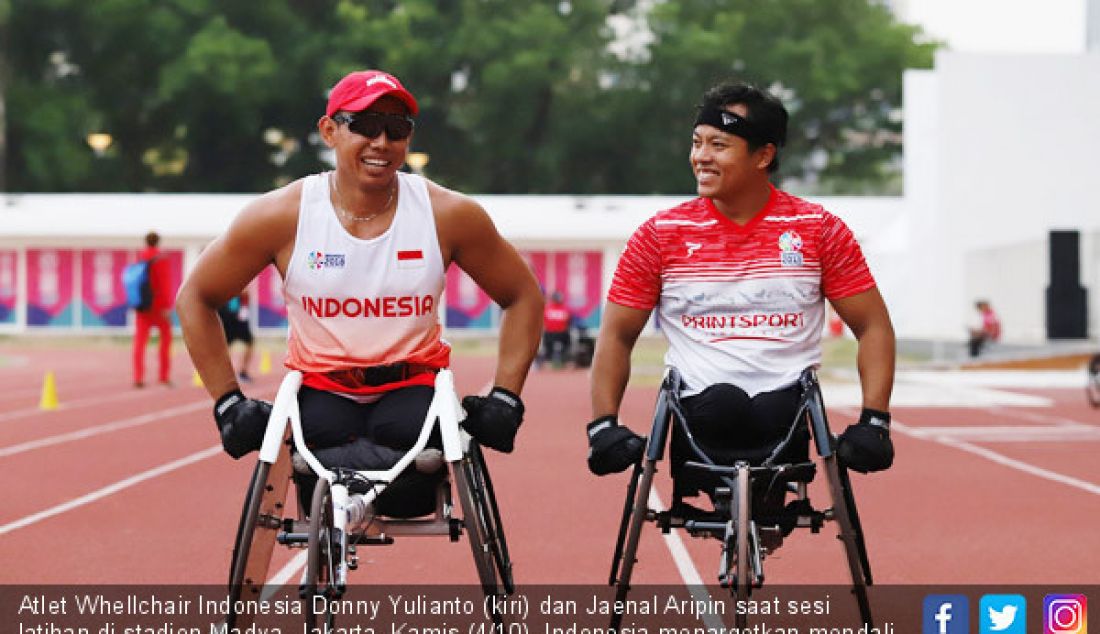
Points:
[(946, 614)]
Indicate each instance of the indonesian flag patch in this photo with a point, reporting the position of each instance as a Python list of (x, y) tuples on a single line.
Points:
[(410, 259)]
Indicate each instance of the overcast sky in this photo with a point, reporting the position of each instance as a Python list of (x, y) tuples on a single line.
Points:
[(1001, 26)]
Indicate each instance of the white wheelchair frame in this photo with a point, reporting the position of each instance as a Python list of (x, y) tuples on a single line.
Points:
[(339, 519)]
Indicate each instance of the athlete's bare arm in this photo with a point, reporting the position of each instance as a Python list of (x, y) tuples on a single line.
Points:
[(262, 234), (468, 238), (619, 330), (866, 314)]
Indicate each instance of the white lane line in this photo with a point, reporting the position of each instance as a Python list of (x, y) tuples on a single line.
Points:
[(292, 567), (1000, 459), (1036, 417), (688, 572), (110, 489), (70, 405), (88, 432), (1017, 433), (66, 381)]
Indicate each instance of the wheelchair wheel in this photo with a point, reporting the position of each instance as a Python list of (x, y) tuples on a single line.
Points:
[(850, 533), (256, 532), (320, 591), (630, 533), (1092, 388), (484, 528), (742, 525)]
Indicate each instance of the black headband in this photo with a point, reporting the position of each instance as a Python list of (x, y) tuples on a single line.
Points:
[(734, 124)]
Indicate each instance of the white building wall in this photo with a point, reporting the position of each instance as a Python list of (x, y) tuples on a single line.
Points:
[(1000, 150)]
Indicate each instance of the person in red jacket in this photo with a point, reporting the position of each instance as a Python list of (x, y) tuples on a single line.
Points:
[(556, 336), (157, 316), (987, 330)]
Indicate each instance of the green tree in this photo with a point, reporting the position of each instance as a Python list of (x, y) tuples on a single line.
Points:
[(524, 96), (837, 65)]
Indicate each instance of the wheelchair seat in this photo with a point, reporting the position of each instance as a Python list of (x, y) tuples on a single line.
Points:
[(781, 456), (410, 495)]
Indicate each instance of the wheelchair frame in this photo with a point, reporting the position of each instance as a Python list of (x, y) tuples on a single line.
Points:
[(339, 520), (741, 564)]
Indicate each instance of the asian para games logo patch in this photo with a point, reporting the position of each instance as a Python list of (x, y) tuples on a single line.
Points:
[(790, 247), (317, 260)]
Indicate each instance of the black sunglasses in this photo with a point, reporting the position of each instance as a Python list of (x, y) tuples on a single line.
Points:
[(371, 124)]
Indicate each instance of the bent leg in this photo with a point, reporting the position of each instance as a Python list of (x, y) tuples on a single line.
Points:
[(335, 429), (398, 417)]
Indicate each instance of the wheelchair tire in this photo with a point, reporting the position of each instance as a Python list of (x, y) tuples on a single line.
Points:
[(638, 501), (255, 539), (742, 525), (322, 557), (850, 534), (484, 529)]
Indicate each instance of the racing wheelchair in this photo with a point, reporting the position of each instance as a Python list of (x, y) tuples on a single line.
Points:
[(343, 509), (752, 514)]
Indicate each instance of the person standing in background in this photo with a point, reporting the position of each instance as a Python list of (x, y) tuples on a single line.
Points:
[(156, 316), (235, 324)]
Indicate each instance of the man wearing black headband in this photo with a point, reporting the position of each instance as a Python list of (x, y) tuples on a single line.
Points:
[(739, 277)]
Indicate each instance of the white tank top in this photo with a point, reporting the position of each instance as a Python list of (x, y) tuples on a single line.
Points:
[(353, 302)]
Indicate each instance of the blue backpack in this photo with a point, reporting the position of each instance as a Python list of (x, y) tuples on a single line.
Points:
[(135, 281)]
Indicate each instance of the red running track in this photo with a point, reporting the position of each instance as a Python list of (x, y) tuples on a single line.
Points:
[(129, 486)]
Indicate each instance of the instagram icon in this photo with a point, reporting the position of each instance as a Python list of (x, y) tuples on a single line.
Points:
[(1065, 614)]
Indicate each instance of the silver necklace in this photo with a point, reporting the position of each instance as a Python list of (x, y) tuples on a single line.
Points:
[(346, 215)]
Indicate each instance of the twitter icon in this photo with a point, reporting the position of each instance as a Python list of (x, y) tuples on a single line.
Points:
[(1003, 614)]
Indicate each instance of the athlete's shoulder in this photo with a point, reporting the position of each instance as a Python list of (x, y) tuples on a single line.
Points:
[(448, 202), (692, 211), (460, 221), (787, 204)]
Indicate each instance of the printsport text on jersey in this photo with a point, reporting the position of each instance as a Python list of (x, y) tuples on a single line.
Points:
[(741, 304)]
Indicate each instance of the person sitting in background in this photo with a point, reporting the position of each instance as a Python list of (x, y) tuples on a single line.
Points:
[(988, 328), (556, 337)]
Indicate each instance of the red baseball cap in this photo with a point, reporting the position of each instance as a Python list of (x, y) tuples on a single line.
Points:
[(358, 90)]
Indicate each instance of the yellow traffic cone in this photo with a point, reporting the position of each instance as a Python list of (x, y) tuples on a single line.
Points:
[(196, 380), (49, 393), (265, 362)]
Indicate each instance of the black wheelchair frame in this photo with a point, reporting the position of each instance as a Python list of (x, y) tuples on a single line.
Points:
[(746, 538)]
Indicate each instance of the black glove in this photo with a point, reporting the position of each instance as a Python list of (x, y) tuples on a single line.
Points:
[(866, 446), (611, 447), (241, 422), (494, 420)]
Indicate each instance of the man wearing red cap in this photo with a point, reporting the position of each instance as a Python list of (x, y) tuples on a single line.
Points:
[(362, 251)]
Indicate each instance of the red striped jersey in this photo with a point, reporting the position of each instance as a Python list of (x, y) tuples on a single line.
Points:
[(741, 304)]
